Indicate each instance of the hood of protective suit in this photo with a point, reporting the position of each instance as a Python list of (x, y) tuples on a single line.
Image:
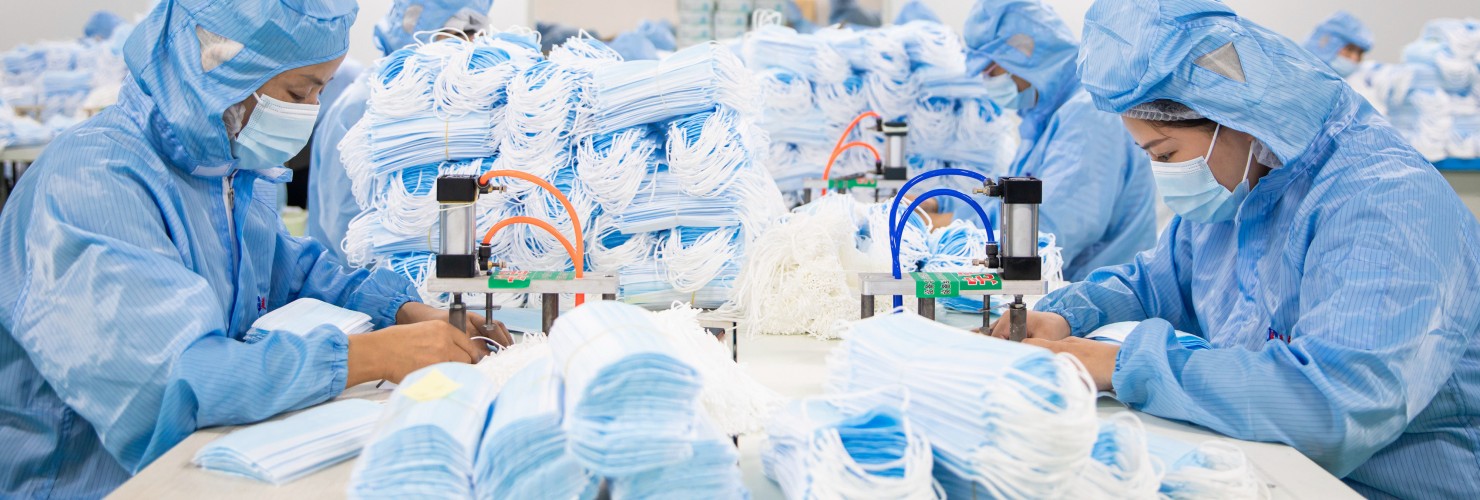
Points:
[(182, 92), (408, 17), (1336, 32), (1201, 54), (1028, 39), (915, 10)]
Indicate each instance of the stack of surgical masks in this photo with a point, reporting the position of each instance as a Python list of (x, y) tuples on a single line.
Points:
[(630, 401), (818, 449), (1012, 420), (523, 452), (304, 315), (711, 472), (53, 79), (281, 451), (425, 442), (651, 148), (1433, 96), (1210, 469), (816, 84), (1117, 333)]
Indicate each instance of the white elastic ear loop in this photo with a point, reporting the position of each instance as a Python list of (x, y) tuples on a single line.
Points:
[(1213, 144)]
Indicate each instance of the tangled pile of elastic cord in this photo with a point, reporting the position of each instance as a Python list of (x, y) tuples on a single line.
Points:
[(800, 276), (816, 84), (661, 160), (643, 400), (1433, 96), (1007, 420)]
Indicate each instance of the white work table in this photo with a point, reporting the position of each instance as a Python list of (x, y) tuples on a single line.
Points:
[(794, 366)]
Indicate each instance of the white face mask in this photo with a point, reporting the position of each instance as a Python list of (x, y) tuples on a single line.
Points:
[(1001, 89), (1190, 189), (276, 132)]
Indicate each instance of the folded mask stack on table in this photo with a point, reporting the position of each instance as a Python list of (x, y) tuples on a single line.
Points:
[(818, 449), (631, 402), (303, 315), (426, 440), (713, 472), (1212, 469), (1433, 96), (1116, 333), (281, 451), (1012, 420), (523, 452)]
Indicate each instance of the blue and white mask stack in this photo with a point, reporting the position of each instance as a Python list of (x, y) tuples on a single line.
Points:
[(661, 148), (815, 84), (1006, 420), (428, 436), (523, 453), (62, 80), (818, 449), (1433, 96), (281, 451)]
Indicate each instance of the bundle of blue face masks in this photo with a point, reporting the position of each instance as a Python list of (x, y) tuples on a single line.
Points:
[(523, 452), (1212, 469), (1014, 420), (648, 145), (426, 440), (630, 402), (281, 451), (1433, 96), (818, 449), (712, 472)]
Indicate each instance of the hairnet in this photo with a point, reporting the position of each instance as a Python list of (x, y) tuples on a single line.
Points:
[(915, 10), (191, 59), (101, 24), (1162, 110), (1336, 32), (409, 17), (1203, 55)]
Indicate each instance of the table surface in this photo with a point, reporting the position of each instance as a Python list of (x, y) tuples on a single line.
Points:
[(793, 366)]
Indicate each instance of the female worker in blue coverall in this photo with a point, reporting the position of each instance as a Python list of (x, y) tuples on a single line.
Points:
[(1334, 271), (1341, 40), (1098, 194), (138, 251), (331, 201)]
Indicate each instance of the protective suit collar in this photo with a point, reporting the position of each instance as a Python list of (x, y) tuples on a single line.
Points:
[(172, 83), (1228, 69)]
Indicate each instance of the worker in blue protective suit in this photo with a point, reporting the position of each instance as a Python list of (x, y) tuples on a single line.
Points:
[(552, 34), (796, 19), (138, 250), (1342, 41), (915, 10), (331, 202), (633, 46), (101, 25), (1098, 193), (1334, 271)]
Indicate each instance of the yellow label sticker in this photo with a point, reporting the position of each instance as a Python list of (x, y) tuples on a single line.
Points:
[(433, 386)]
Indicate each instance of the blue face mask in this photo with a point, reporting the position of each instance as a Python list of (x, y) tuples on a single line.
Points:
[(1343, 67), (1001, 89), (274, 134), (1190, 189)]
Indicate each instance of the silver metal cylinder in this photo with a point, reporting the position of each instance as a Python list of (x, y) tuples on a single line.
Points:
[(894, 151), (1019, 230), (456, 226)]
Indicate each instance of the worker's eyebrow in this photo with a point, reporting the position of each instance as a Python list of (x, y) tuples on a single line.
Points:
[(315, 80), (1153, 144)]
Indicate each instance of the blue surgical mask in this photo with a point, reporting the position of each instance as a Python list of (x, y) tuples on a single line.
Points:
[(274, 134), (1343, 67), (1001, 89), (1190, 189)]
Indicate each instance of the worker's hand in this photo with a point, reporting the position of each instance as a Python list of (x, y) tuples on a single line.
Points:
[(1098, 357), (1041, 325), (416, 312), (394, 352)]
